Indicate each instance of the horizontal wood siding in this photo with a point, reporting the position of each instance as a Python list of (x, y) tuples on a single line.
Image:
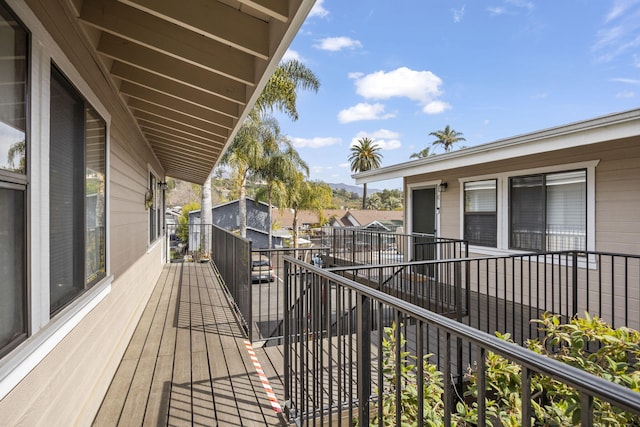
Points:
[(67, 387)]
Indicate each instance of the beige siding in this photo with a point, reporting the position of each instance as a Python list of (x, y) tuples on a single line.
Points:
[(68, 385), (617, 189)]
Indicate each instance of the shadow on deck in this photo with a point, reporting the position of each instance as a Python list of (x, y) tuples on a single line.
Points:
[(187, 363)]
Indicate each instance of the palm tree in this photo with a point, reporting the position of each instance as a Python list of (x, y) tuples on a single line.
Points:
[(245, 155), (280, 91), (246, 152), (280, 166), (446, 138), (303, 195), (364, 156), (420, 154)]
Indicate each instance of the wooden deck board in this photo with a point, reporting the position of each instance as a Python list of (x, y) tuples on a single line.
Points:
[(186, 363)]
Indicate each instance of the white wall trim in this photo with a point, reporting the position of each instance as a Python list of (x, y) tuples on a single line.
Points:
[(19, 363)]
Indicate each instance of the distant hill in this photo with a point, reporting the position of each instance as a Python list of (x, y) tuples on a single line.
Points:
[(353, 188)]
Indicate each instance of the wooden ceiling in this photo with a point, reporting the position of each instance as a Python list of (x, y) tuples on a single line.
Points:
[(190, 70)]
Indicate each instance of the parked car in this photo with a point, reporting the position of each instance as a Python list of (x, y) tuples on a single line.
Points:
[(261, 269)]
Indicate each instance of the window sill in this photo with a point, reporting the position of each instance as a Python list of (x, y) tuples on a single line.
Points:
[(152, 245), (17, 364), (583, 261)]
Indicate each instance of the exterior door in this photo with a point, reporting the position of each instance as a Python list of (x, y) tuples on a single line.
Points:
[(423, 221)]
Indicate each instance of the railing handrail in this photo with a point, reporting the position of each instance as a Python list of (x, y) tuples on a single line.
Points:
[(594, 386)]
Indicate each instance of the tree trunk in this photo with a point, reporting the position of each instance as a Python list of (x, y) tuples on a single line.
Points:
[(242, 208), (364, 197), (206, 218), (270, 222)]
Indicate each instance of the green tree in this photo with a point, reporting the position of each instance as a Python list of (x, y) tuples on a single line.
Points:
[(259, 133), (279, 166), (182, 231), (446, 138), (304, 195), (17, 150), (281, 91), (421, 154), (245, 156), (364, 156)]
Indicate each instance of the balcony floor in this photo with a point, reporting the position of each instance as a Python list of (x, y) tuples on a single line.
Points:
[(187, 362)]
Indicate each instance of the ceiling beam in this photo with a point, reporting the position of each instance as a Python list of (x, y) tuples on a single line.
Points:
[(164, 85), (172, 126), (277, 9), (151, 32), (179, 117), (191, 109), (155, 62), (214, 20)]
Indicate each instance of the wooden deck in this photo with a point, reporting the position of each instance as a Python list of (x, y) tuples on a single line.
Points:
[(187, 363)]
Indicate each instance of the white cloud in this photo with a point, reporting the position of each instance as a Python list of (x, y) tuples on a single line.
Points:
[(344, 165), (511, 7), (436, 107), (317, 142), (318, 10), (627, 81), (384, 138), (458, 14), (364, 111), (291, 54), (335, 44), (619, 35), (626, 94), (497, 10), (420, 86), (620, 7)]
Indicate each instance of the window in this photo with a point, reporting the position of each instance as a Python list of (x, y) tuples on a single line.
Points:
[(76, 193), (14, 41), (480, 219), (548, 212), (155, 207)]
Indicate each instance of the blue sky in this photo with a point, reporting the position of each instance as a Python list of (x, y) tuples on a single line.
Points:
[(394, 71)]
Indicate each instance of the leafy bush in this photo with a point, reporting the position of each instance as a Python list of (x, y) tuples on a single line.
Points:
[(432, 404), (586, 343)]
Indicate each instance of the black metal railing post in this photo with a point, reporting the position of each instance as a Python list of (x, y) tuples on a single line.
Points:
[(364, 358), (574, 284)]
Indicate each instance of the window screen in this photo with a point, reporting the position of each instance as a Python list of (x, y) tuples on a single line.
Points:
[(14, 42), (76, 194), (480, 221)]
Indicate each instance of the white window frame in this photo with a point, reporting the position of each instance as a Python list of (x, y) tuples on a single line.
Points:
[(151, 244), (502, 206), (46, 331)]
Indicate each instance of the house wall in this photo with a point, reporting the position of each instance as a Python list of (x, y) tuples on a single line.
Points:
[(617, 189), (617, 228), (77, 352)]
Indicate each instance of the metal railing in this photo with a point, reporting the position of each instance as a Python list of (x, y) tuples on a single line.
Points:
[(231, 255), (337, 356), (268, 289), (361, 246)]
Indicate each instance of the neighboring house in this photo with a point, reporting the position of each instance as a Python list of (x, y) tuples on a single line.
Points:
[(227, 216), (385, 220), (570, 187), (99, 102), (371, 219)]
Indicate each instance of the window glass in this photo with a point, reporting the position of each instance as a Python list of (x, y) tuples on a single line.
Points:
[(548, 212), (13, 148), (153, 229), (480, 221), (13, 86), (566, 211), (76, 193), (95, 196), (13, 323)]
